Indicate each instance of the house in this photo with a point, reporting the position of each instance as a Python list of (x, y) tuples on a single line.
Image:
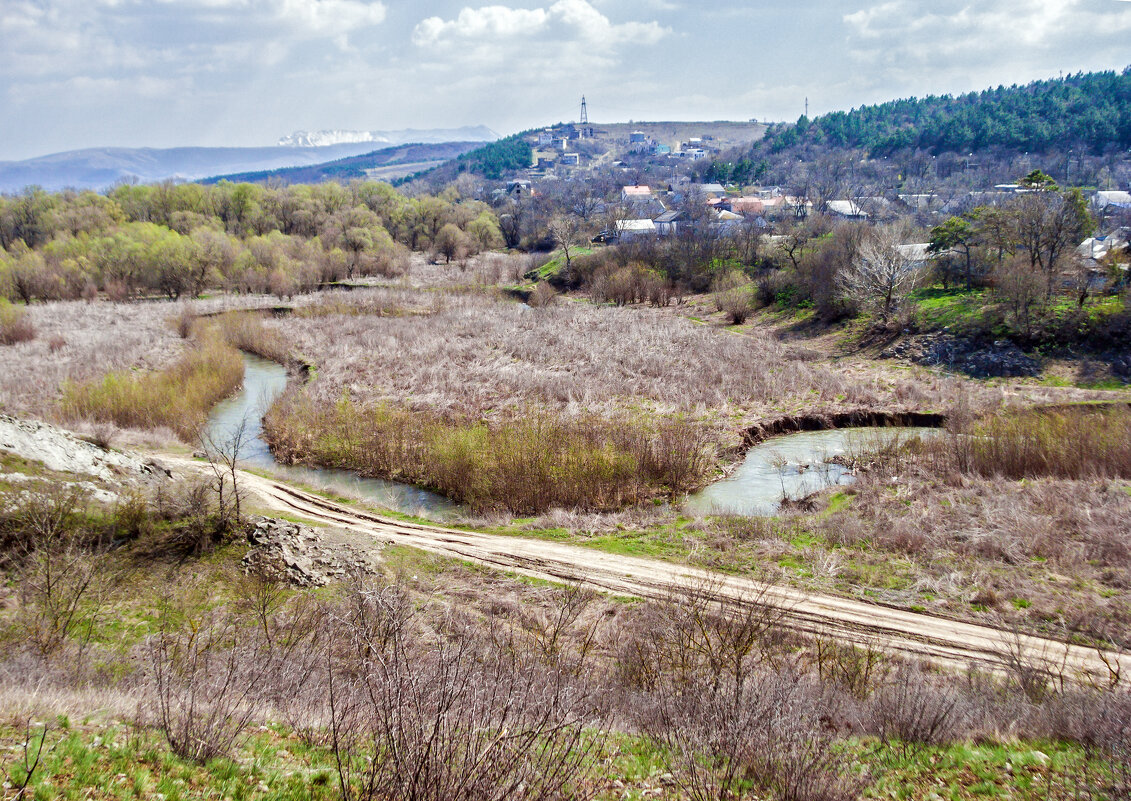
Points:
[(847, 209), (545, 138), (1095, 248), (637, 138), (667, 223), (518, 187), (662, 150), (743, 205), (916, 253), (627, 230), (711, 190), (1111, 200), (629, 193), (570, 159)]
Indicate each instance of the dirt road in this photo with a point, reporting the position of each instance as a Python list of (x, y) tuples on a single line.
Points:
[(949, 642)]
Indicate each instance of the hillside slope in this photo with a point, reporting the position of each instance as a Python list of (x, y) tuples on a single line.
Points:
[(377, 163), (1090, 111)]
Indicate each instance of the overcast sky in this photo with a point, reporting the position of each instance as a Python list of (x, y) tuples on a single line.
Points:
[(161, 73)]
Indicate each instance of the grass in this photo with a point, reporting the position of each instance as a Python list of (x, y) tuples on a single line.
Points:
[(939, 308), (179, 397), (1077, 443), (95, 759), (524, 465)]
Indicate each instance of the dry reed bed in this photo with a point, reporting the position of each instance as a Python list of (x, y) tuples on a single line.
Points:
[(477, 353)]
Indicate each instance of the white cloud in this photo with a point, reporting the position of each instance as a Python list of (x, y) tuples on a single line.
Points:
[(566, 20)]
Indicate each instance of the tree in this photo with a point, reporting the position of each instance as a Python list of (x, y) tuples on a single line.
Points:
[(450, 242), (957, 233), (566, 231), (882, 276)]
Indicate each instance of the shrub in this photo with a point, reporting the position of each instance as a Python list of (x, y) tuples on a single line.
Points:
[(179, 397), (14, 325), (525, 465), (1074, 443)]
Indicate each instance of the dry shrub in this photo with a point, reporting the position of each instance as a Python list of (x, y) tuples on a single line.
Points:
[(179, 397), (15, 326), (245, 331), (60, 574), (448, 714), (56, 344), (733, 296), (911, 709), (853, 669), (205, 676), (543, 295), (525, 465), (635, 283)]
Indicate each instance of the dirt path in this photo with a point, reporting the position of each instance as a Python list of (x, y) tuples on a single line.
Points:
[(947, 642)]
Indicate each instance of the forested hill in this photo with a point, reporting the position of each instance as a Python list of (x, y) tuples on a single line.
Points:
[(1091, 111), (493, 161)]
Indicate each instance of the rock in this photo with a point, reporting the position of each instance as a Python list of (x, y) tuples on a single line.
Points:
[(298, 554), (1000, 359), (63, 452)]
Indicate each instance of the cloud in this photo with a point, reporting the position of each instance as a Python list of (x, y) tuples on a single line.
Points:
[(566, 21)]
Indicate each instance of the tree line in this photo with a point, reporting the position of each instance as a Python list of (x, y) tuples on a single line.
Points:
[(1086, 110), (179, 239)]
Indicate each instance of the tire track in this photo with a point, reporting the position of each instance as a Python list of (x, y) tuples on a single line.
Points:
[(953, 643)]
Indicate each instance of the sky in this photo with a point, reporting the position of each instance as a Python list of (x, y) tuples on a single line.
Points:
[(164, 73)]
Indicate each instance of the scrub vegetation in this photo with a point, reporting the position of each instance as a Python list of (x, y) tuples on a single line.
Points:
[(146, 668)]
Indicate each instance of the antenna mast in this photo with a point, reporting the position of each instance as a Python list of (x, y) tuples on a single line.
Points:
[(806, 108), (584, 112)]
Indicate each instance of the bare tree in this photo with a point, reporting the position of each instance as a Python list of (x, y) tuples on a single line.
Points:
[(566, 231), (883, 275), (224, 451)]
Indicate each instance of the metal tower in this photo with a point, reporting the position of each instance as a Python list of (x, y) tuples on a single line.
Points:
[(584, 112)]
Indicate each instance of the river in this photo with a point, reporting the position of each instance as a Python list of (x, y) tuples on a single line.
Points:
[(263, 382), (794, 466)]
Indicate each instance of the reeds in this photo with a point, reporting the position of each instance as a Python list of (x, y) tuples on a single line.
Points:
[(523, 465), (178, 397), (1081, 442)]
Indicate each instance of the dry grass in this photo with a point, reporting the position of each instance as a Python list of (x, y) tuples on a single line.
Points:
[(178, 397), (476, 354)]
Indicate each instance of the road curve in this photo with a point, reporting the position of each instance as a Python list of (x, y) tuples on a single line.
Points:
[(946, 642)]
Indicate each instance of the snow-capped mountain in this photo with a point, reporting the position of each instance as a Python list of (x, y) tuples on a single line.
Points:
[(470, 133)]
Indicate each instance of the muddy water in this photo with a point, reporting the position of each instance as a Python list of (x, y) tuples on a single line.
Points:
[(792, 466), (264, 381)]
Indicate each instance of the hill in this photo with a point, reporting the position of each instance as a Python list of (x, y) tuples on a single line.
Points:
[(386, 164), (98, 168), (1089, 111)]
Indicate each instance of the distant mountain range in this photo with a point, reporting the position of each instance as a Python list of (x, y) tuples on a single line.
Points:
[(385, 164), (470, 133), (99, 168)]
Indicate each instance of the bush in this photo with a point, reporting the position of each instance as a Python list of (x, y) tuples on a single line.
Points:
[(15, 327), (1074, 443), (526, 465), (179, 397)]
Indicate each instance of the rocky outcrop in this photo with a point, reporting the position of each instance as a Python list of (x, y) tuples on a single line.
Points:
[(300, 555), (63, 452), (977, 359)]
